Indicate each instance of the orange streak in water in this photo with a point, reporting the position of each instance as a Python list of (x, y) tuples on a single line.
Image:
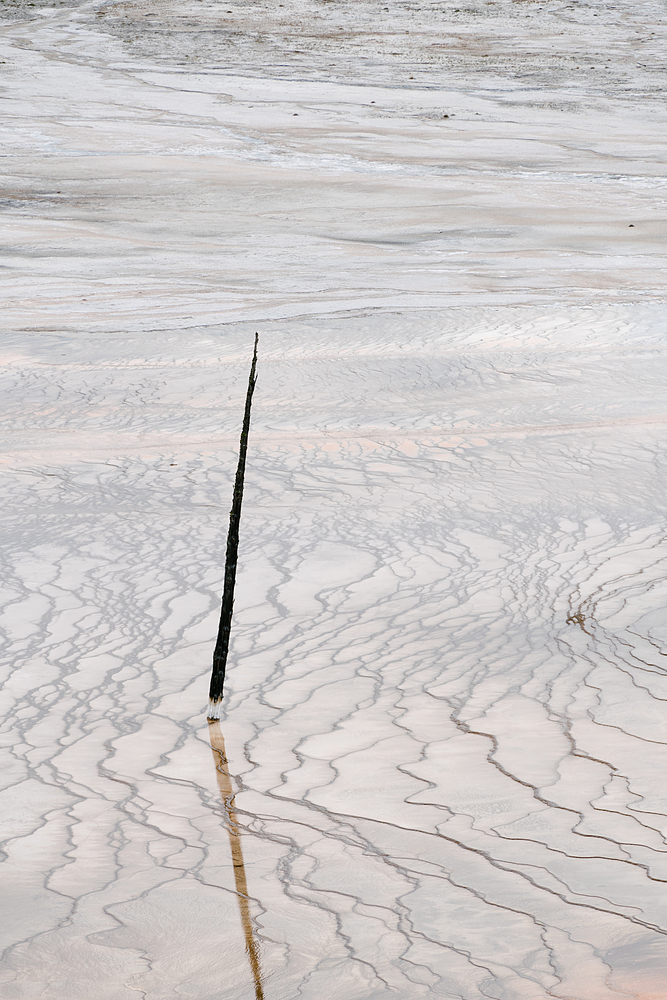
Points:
[(227, 795)]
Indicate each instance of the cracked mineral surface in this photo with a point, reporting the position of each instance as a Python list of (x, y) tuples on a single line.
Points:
[(440, 766)]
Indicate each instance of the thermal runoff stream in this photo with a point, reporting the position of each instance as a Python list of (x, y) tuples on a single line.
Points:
[(440, 763)]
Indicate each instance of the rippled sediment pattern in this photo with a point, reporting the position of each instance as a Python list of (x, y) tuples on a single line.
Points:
[(441, 766)]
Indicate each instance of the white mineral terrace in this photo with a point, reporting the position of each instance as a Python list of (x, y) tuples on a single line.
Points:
[(441, 764)]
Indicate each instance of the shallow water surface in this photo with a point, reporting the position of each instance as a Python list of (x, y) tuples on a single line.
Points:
[(440, 767)]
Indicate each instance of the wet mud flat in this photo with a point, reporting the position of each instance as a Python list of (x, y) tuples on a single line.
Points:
[(439, 769)]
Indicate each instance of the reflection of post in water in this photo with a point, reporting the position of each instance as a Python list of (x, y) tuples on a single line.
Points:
[(227, 795)]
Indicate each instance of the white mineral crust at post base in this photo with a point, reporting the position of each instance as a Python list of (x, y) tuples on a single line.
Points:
[(214, 709)]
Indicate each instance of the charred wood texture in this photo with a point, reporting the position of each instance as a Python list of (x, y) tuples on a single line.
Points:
[(231, 559)]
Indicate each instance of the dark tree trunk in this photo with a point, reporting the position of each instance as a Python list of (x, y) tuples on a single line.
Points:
[(231, 558)]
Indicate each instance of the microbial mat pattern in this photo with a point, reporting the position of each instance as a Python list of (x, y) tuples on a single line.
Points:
[(440, 765)]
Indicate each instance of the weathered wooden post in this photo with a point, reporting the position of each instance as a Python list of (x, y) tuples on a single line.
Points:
[(231, 559)]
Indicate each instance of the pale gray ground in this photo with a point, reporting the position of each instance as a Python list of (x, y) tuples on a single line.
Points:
[(444, 711)]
